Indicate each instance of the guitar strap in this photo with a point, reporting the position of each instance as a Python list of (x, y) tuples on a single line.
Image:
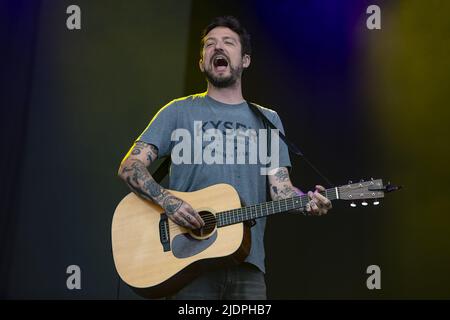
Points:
[(163, 170), (291, 146)]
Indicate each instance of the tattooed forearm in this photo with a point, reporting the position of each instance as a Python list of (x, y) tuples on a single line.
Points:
[(282, 175), (138, 171), (142, 183), (136, 190), (282, 192), (133, 171), (154, 189), (281, 186)]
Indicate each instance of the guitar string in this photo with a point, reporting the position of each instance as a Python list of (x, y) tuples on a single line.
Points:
[(284, 206), (211, 221), (272, 203), (236, 215)]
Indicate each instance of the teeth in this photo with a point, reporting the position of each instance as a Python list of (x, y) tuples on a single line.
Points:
[(220, 57)]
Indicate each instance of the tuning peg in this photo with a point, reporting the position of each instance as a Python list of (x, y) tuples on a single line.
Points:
[(364, 203), (350, 182), (353, 205), (376, 202), (362, 180)]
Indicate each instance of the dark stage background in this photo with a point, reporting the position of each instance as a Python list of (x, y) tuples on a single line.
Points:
[(361, 103)]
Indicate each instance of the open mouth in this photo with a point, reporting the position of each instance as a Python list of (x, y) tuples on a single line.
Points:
[(220, 63)]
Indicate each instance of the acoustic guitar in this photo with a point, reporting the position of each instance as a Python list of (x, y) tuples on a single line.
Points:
[(157, 257)]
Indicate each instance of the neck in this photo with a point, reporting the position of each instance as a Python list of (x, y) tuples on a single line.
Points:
[(229, 95), (226, 218)]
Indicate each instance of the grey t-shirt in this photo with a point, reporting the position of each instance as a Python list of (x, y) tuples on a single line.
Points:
[(246, 178)]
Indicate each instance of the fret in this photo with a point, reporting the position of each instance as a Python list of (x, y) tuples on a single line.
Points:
[(271, 207)]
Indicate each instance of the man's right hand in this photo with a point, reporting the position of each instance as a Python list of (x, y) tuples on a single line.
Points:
[(182, 213)]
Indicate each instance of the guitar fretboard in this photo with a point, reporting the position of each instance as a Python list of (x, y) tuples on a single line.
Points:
[(226, 218)]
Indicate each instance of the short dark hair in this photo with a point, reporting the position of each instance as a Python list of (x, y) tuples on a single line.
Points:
[(233, 24)]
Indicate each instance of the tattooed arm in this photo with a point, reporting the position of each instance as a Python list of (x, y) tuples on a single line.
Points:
[(281, 188), (133, 170)]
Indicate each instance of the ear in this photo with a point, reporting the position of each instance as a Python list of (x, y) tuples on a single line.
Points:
[(246, 61), (200, 64)]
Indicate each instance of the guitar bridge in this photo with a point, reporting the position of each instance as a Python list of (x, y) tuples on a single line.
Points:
[(164, 233)]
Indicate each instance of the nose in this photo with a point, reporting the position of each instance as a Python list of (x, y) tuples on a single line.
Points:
[(219, 46)]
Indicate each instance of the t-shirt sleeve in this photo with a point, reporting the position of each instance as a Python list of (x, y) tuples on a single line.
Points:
[(284, 160), (159, 131)]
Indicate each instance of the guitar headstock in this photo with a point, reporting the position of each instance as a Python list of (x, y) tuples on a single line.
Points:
[(372, 189)]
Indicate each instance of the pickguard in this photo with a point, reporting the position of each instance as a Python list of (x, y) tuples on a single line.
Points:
[(185, 246)]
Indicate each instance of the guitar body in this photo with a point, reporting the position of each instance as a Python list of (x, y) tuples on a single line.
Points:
[(156, 268)]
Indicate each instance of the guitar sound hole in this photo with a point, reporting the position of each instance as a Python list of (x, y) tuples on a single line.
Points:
[(210, 224)]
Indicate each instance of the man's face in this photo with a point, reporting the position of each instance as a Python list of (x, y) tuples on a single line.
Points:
[(222, 60)]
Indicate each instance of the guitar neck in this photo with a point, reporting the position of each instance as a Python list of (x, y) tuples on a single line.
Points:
[(226, 218)]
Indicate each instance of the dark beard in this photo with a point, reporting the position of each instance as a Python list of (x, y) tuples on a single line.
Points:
[(224, 82)]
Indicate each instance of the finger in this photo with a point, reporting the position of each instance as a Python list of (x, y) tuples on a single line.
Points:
[(316, 199), (320, 188), (315, 208), (194, 216), (197, 217), (321, 200), (182, 221), (178, 221), (191, 219), (308, 208), (318, 207), (323, 206)]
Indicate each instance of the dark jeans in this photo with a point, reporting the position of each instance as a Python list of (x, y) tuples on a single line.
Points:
[(241, 282)]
